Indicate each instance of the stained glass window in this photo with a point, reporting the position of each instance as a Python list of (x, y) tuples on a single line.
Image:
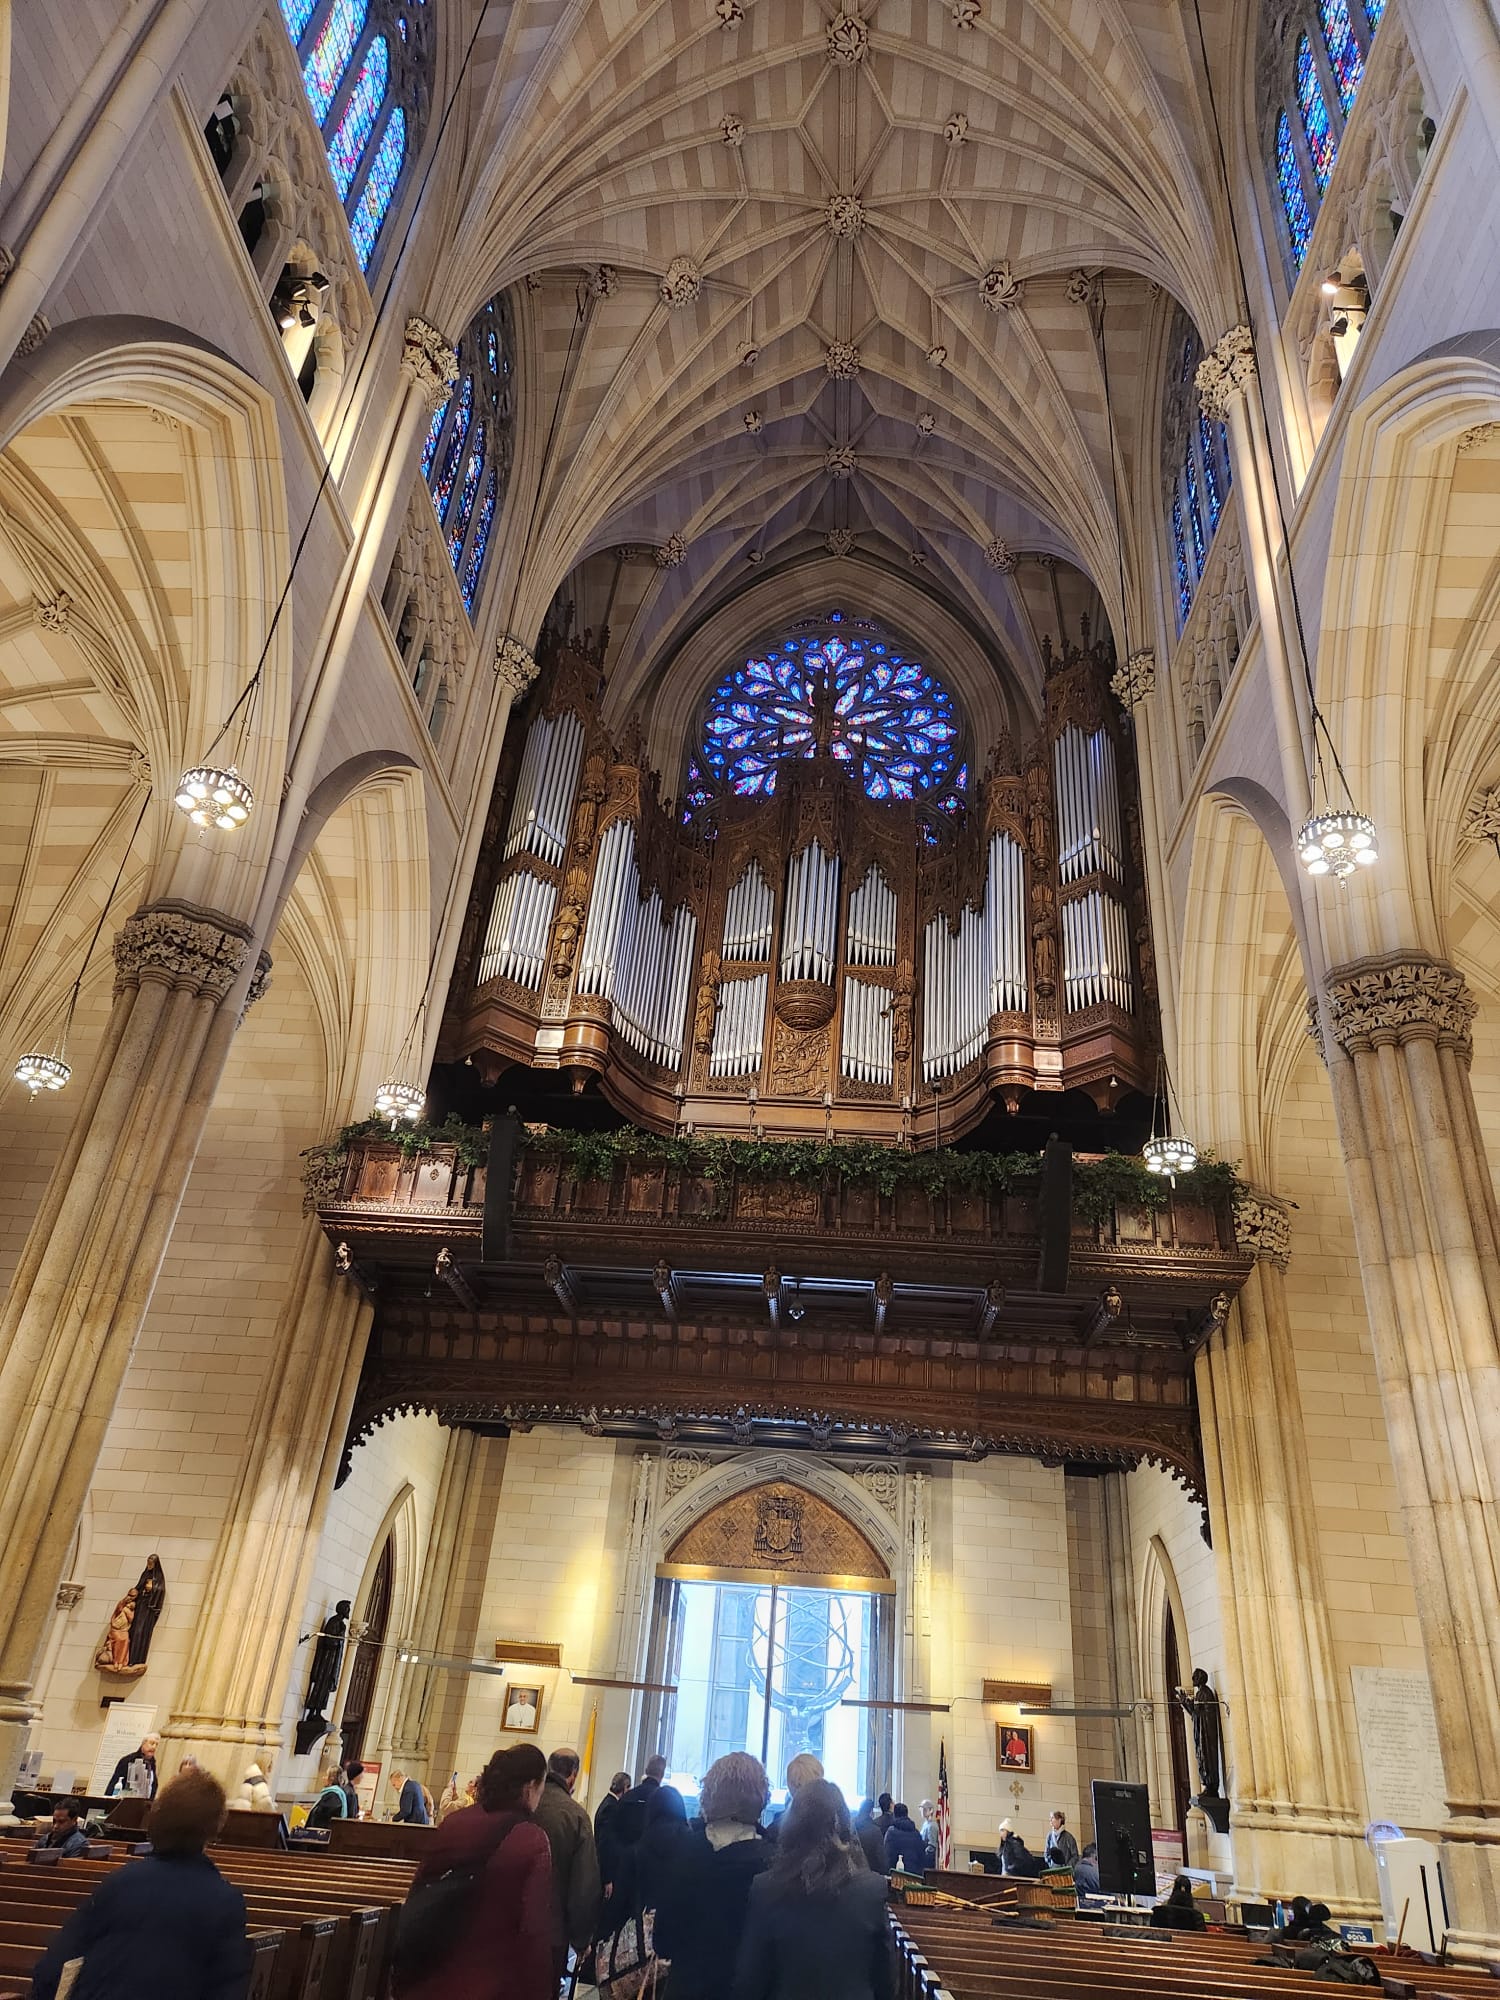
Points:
[(442, 490), (1299, 220), (1322, 147), (1210, 472), (1179, 550), (323, 71), (480, 545), (1195, 516), (1373, 11), (434, 432), (346, 147), (380, 186), (466, 497), (854, 690), (1344, 55), (297, 14)]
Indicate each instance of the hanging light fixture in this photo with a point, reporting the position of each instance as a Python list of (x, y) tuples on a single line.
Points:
[(50, 1069), (396, 1100), (1336, 843), (214, 798), (1166, 1152)]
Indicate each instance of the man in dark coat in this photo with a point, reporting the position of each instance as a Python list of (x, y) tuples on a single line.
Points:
[(904, 1845), (576, 1892)]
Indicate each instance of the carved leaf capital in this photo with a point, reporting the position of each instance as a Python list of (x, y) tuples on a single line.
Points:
[(1402, 997)]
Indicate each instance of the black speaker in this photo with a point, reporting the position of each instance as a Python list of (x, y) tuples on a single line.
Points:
[(1122, 1827), (494, 1242)]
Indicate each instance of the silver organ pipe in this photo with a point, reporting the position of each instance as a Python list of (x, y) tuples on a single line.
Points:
[(1088, 805), (615, 883), (739, 1032), (979, 971), (870, 930), (649, 1003), (810, 916), (1096, 952), (749, 918), (543, 804), (515, 944), (867, 1052)]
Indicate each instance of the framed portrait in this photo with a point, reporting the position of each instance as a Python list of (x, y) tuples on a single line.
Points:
[(522, 1713), (1014, 1744)]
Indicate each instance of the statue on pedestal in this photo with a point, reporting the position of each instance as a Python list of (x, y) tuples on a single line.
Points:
[(1201, 1703), (127, 1640), (323, 1680)]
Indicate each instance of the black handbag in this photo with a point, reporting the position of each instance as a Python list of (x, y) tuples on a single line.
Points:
[(435, 1913)]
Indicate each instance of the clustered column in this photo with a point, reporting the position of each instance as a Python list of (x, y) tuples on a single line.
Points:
[(183, 977), (1293, 1817), (1428, 1233)]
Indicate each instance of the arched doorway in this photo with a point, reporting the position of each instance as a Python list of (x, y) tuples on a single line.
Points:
[(1182, 1790), (362, 1674), (772, 1632)]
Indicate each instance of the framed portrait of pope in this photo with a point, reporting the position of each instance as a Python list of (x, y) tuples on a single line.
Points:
[(522, 1712)]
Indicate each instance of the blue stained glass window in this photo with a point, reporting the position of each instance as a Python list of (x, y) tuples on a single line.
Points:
[(380, 185), (1344, 54), (323, 71), (855, 690), (460, 524), (346, 147), (1210, 472), (1373, 11), (479, 547), (1322, 147), (434, 432), (443, 489), (492, 351), (297, 14), (1179, 549), (1299, 220), (1195, 517)]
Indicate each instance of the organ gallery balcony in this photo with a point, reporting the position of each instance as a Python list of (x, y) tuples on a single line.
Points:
[(843, 1297)]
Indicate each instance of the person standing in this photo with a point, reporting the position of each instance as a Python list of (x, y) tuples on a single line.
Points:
[(331, 1803), (411, 1808), (575, 1860), (1061, 1850), (816, 1927), (619, 1785), (348, 1782), (501, 1948), (700, 1913), (903, 1844), (928, 1830), (167, 1926), (119, 1777), (871, 1839)]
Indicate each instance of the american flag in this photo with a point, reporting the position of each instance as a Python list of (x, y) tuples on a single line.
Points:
[(944, 1821)]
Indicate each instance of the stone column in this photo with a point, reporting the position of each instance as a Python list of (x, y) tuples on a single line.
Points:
[(86, 1274), (434, 1629), (1294, 1821), (1428, 1233), (247, 1647), (1230, 391), (1477, 38)]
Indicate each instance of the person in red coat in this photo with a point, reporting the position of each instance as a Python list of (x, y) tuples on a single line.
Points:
[(503, 1950)]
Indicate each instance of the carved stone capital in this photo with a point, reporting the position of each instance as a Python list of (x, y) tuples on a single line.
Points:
[(1135, 680), (1400, 997), (1315, 1028), (428, 360), (260, 979), (69, 1596), (37, 329), (1226, 374), (515, 666), (1263, 1226), (183, 946), (55, 613), (1482, 820)]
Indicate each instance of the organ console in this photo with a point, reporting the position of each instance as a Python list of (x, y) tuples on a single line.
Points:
[(821, 944)]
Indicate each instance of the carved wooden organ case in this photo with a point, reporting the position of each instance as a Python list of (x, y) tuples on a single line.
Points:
[(813, 962)]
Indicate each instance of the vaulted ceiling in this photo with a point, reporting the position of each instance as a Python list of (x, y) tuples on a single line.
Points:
[(848, 284)]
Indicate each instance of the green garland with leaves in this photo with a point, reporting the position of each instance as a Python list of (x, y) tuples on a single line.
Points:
[(1098, 1184)]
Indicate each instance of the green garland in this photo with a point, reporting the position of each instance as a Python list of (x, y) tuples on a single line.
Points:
[(1098, 1184)]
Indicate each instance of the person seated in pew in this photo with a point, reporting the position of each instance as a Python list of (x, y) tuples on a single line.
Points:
[(1178, 1912), (1016, 1858), (166, 1927), (66, 1831), (1307, 1924), (1086, 1871)]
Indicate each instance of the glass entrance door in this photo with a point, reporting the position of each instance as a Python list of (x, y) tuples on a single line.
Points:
[(769, 1669)]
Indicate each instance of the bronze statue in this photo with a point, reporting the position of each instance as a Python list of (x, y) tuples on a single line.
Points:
[(1202, 1704), (323, 1680)]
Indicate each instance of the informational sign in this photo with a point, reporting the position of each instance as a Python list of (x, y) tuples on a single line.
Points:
[(1168, 1855), (125, 1725), (1398, 1742), (367, 1791)]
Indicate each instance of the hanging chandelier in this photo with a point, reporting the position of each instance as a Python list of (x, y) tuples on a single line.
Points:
[(1166, 1152), (42, 1072), (1337, 843), (215, 798), (396, 1100)]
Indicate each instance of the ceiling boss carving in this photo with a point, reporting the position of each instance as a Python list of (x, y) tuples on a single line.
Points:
[(848, 40)]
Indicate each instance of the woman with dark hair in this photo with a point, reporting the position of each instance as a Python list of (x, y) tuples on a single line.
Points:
[(168, 1927), (817, 1926), (700, 1910), (500, 1947), (663, 1847), (1178, 1912)]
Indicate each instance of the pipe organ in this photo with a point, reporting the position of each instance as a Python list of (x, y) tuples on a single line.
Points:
[(811, 959)]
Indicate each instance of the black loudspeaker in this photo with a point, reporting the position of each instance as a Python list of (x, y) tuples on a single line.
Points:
[(1122, 1827), (494, 1245)]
